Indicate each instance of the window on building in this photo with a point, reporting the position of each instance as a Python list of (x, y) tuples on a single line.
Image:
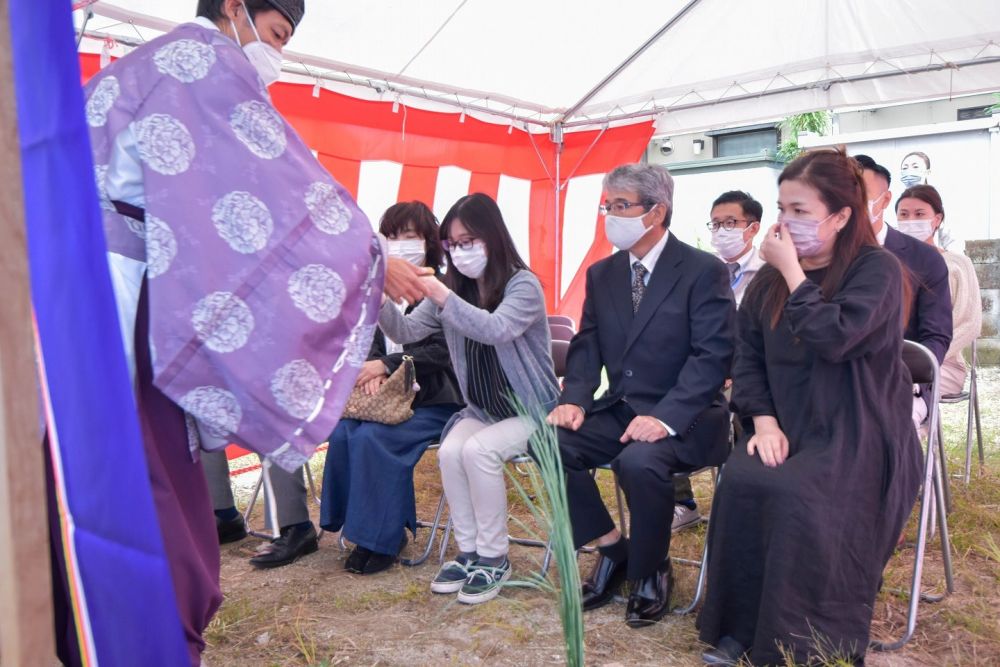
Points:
[(745, 141), (973, 112)]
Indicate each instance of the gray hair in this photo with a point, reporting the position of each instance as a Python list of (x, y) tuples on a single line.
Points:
[(653, 183)]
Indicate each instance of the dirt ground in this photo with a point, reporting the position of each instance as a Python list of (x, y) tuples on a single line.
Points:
[(315, 613)]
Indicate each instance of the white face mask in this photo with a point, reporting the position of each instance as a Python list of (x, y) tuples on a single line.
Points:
[(624, 232), (728, 242), (871, 211), (918, 229), (413, 251), (470, 263), (265, 58)]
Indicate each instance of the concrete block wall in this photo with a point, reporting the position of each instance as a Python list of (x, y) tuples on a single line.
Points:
[(985, 256)]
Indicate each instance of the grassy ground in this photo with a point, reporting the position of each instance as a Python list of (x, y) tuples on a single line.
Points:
[(315, 613)]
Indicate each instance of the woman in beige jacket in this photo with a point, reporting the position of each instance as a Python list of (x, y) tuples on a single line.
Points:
[(919, 213)]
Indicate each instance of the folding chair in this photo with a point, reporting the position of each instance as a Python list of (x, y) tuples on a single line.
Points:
[(561, 332), (264, 481), (564, 320), (972, 396), (434, 526), (924, 368)]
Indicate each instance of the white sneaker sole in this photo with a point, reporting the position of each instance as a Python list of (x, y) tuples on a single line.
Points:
[(447, 586), (485, 596), (689, 523)]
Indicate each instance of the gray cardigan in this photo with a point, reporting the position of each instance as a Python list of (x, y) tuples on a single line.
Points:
[(518, 329)]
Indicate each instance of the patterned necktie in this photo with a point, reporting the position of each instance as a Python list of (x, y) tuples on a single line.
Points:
[(734, 268), (638, 284)]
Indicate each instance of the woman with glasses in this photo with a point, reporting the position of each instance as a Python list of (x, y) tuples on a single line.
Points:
[(491, 309), (815, 494)]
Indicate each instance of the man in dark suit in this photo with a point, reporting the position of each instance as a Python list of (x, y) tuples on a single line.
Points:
[(930, 309), (659, 318)]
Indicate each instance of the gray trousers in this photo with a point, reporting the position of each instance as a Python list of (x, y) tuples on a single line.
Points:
[(289, 490)]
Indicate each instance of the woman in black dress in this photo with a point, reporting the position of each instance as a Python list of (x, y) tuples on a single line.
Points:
[(814, 496)]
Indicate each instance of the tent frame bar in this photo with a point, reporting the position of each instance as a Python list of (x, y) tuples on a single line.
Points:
[(825, 84), (573, 110)]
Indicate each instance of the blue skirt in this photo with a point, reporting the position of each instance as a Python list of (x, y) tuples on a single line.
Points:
[(368, 478)]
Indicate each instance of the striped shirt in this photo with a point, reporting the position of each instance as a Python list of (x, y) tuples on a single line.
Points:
[(489, 387)]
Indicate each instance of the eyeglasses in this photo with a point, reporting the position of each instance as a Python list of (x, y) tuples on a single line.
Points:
[(464, 244), (620, 206), (728, 224)]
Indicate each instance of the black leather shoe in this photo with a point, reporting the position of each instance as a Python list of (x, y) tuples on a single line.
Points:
[(295, 542), (727, 652), (604, 581), (232, 530), (357, 559), (650, 598)]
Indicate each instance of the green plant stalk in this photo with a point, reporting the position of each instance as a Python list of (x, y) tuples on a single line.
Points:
[(550, 508)]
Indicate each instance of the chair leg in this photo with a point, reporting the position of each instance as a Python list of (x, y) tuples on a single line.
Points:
[(942, 464), (620, 499), (699, 588), (945, 539), (926, 502), (968, 440), (264, 482), (312, 491), (979, 429), (430, 538), (444, 540)]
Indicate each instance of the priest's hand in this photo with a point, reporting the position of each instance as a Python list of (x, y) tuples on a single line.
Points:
[(402, 280), (768, 441), (644, 429), (567, 416)]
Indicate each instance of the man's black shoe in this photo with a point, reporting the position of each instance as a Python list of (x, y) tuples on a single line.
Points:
[(230, 530), (650, 597), (604, 581), (295, 542)]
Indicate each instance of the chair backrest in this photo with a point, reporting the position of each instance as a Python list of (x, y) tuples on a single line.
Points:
[(561, 332), (559, 350), (923, 366), (564, 320)]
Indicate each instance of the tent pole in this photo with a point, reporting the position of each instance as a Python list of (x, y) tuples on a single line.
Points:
[(26, 629), (628, 61), (557, 139)]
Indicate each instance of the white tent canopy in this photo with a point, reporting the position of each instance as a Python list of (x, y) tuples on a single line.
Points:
[(713, 63)]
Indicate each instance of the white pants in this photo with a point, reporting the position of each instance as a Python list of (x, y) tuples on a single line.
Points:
[(472, 458)]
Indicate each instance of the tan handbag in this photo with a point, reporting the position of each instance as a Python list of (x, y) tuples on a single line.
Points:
[(393, 402)]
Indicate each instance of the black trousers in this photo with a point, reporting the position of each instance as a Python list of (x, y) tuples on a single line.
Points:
[(645, 471)]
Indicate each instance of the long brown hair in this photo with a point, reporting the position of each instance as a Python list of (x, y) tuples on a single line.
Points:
[(838, 180), (480, 215)]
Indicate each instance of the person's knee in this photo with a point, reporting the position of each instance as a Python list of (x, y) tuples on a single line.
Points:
[(569, 453), (481, 455), (637, 462), (450, 453)]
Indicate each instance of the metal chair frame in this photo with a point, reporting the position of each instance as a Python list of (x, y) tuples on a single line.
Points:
[(933, 496), (972, 396), (264, 481)]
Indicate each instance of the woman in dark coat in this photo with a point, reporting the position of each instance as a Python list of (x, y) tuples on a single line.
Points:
[(368, 478), (815, 494)]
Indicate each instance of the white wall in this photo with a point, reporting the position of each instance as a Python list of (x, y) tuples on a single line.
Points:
[(960, 170), (695, 192)]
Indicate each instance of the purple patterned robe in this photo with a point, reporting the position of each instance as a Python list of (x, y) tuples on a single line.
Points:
[(264, 277)]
